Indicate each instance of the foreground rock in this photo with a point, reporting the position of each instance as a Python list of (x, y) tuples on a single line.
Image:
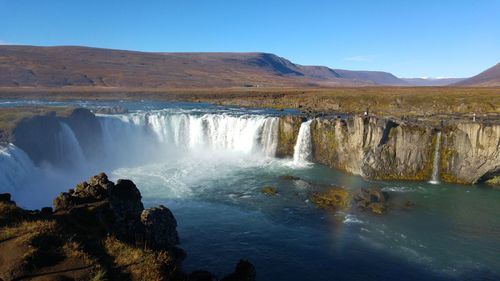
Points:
[(98, 231)]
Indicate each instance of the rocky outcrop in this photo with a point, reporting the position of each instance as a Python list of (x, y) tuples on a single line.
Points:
[(98, 231), (117, 209), (288, 130), (372, 199), (335, 198)]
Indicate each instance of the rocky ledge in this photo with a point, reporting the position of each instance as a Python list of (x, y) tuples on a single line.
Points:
[(97, 231)]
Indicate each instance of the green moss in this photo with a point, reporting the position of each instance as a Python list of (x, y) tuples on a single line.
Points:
[(324, 141), (335, 198), (446, 157), (269, 190), (494, 181)]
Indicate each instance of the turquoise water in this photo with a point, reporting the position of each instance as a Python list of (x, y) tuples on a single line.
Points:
[(214, 187), (452, 232)]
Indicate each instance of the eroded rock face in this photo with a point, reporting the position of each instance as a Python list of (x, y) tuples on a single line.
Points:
[(288, 131), (380, 148), (470, 152), (373, 148), (160, 227)]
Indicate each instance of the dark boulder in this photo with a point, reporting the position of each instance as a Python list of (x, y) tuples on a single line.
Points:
[(245, 271), (5, 197), (160, 227), (201, 275)]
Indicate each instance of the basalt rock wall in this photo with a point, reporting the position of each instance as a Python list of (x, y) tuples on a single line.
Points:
[(382, 148)]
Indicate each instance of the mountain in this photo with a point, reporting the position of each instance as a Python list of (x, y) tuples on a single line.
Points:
[(488, 78), (431, 81), (64, 66), (376, 77), (93, 67)]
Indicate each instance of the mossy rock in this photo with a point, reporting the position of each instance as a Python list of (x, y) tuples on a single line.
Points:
[(377, 208), (334, 198), (269, 190), (373, 199), (495, 181)]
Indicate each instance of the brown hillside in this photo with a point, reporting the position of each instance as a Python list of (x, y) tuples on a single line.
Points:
[(29, 66), (488, 78)]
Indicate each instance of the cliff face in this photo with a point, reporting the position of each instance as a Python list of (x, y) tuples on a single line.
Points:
[(470, 153), (287, 135), (373, 148), (43, 137), (379, 148)]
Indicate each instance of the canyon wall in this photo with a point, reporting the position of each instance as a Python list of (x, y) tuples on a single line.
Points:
[(470, 152), (53, 138), (372, 147), (381, 148)]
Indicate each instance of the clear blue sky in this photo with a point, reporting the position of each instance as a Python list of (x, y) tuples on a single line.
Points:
[(436, 38)]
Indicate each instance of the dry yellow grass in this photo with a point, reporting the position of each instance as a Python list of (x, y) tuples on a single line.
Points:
[(397, 101), (142, 264)]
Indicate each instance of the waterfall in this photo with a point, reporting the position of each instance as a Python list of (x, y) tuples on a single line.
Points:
[(131, 140), (269, 137), (303, 147), (435, 164), (69, 149), (15, 167), (193, 132)]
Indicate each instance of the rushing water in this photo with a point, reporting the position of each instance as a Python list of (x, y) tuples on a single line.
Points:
[(303, 148), (208, 165), (437, 158)]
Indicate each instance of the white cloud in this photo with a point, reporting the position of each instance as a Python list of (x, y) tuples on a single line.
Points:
[(5, 43), (358, 59)]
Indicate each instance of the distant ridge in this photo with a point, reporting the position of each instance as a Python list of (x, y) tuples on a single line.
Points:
[(488, 78), (432, 81), (377, 77), (83, 66), (75, 66)]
